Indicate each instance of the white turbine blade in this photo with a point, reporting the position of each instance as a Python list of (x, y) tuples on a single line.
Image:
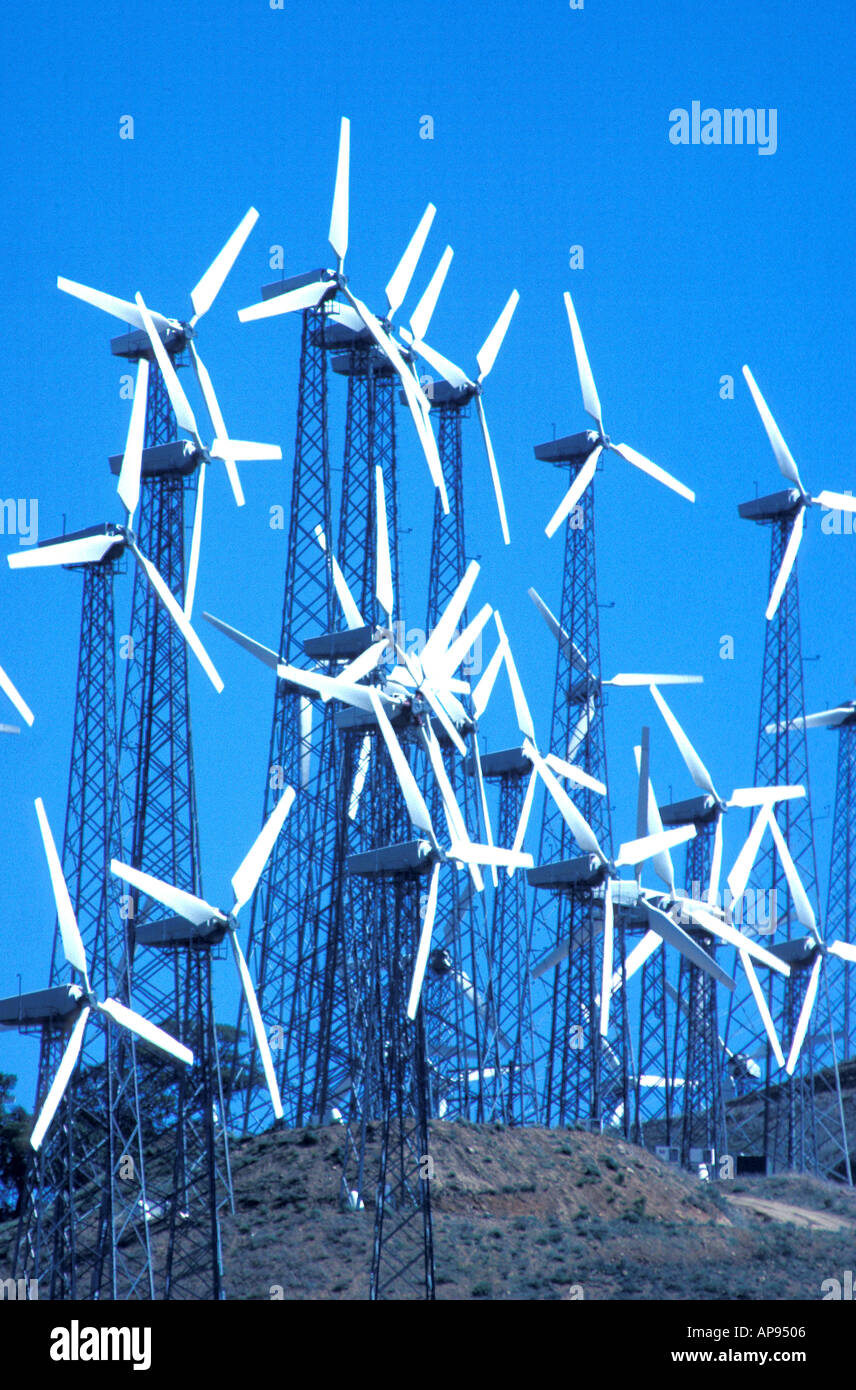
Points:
[(591, 400), (715, 863), (119, 308), (695, 766), (788, 560), (763, 796), (85, 550), (653, 470), (451, 809), (129, 478), (484, 689), (54, 1096), (338, 234), (305, 720), (330, 687), (416, 399), (631, 679), (417, 810), (258, 1025), (360, 775), (171, 603), (525, 813), (443, 718), (17, 699), (422, 314), (581, 728), (72, 942), (575, 774), (443, 634), (246, 877), (606, 977), (488, 828), (184, 416), (424, 948), (149, 1032), (353, 616), (805, 1017), (443, 672), (244, 450), (641, 952), (467, 852), (845, 950), (804, 909), (456, 378), (306, 297), (784, 458), (218, 424), (644, 824), (487, 354), (569, 648), (575, 491), (673, 935), (763, 1010), (183, 904), (652, 822), (634, 851), (521, 707), (401, 277), (383, 577), (574, 819), (494, 472), (195, 543), (264, 654), (739, 876), (9, 729), (836, 501), (717, 927), (366, 662), (206, 291)]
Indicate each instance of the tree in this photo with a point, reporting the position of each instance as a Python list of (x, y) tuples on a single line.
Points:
[(15, 1127)]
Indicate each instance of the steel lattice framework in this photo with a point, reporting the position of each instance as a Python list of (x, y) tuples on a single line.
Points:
[(510, 952), (292, 939), (841, 895), (187, 1167), (698, 1105), (783, 1118), (463, 1048), (581, 1080), (82, 1232)]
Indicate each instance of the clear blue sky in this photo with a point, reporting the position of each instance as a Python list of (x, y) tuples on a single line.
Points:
[(550, 129)]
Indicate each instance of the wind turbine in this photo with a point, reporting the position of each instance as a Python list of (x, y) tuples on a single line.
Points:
[(428, 677), (327, 284), (743, 797), (96, 543), (840, 501), (601, 440), (65, 1003), (458, 379), (212, 924), (179, 333)]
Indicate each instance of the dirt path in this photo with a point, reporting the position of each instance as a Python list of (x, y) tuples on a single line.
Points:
[(797, 1216)]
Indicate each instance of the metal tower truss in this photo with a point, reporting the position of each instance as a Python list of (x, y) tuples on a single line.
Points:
[(187, 1163), (292, 942), (581, 1079), (509, 952), (82, 1233), (696, 1107), (461, 1039), (789, 1119)]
